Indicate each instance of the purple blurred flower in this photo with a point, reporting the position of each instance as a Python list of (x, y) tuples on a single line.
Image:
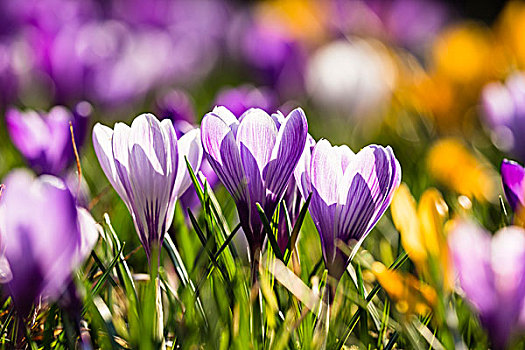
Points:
[(44, 139), (41, 251), (177, 106), (513, 179), (410, 23), (491, 274), (350, 193), (277, 59), (254, 157), (238, 100), (145, 164), (504, 112)]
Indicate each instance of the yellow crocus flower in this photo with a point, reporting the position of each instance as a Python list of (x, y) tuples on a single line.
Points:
[(421, 229)]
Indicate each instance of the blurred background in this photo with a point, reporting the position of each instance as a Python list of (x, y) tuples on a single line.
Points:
[(440, 81)]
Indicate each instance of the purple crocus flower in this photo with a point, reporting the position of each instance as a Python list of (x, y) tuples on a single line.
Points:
[(145, 164), (44, 139), (43, 251), (513, 179), (238, 100), (504, 112), (491, 274), (254, 157), (350, 193)]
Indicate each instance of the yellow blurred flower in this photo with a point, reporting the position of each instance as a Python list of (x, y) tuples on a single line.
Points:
[(422, 234), (410, 294), (511, 30), (464, 53), (452, 164), (463, 58), (304, 19)]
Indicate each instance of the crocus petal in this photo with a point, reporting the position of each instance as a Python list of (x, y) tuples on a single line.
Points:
[(225, 115), (472, 264), (302, 170), (219, 144), (289, 147), (102, 142), (28, 131), (326, 171), (256, 136), (189, 146), (513, 178), (90, 231)]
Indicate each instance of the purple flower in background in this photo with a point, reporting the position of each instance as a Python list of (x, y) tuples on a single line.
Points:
[(277, 59), (44, 139), (504, 112), (513, 179), (145, 164), (177, 106), (254, 157), (43, 251), (350, 193), (491, 274), (238, 100)]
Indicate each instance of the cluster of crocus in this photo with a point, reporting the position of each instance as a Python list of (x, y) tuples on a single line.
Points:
[(41, 253), (45, 139), (350, 193), (145, 164), (256, 157), (491, 274)]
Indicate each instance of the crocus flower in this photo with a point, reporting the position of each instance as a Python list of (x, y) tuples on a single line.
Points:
[(350, 193), (145, 164), (44, 139), (491, 274), (41, 251), (254, 157), (504, 113)]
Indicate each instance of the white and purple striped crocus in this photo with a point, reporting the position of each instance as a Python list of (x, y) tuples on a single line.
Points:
[(513, 179), (44, 139), (145, 164), (350, 193), (491, 274), (254, 157), (44, 236)]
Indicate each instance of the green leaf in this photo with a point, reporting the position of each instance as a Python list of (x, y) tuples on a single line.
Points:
[(269, 232)]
